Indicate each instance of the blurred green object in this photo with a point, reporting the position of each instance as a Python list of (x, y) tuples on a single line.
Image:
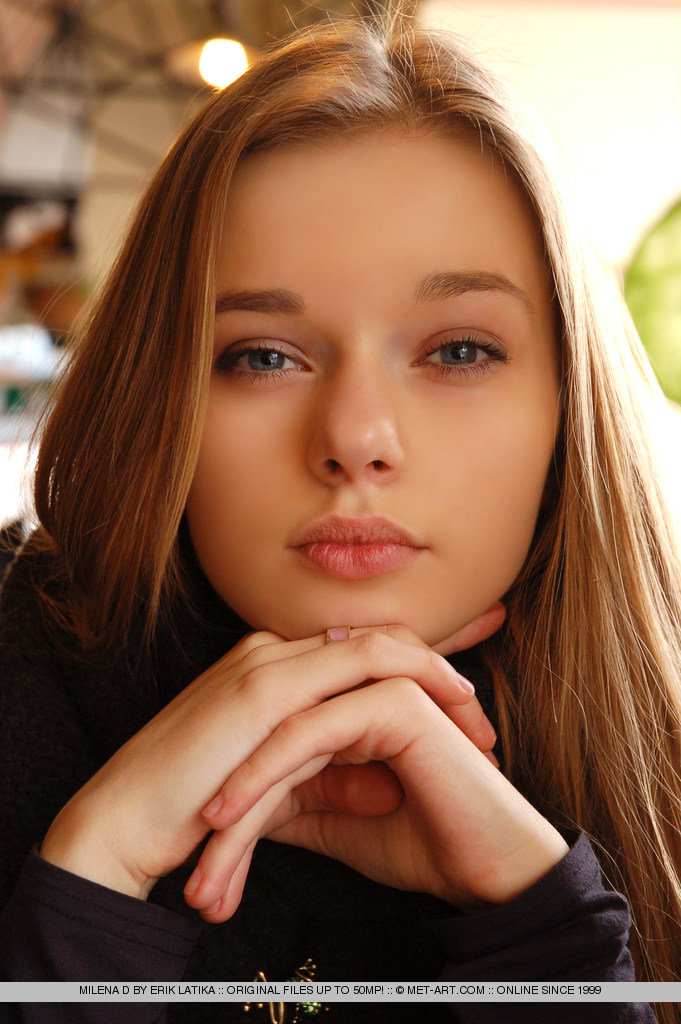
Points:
[(652, 290), (14, 398), (17, 397)]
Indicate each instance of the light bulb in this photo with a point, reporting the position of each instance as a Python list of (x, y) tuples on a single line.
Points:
[(222, 61)]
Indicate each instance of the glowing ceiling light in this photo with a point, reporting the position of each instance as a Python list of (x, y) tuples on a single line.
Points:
[(222, 61)]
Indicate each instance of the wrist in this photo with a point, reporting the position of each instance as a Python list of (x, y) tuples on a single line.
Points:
[(520, 869), (534, 860), (75, 843)]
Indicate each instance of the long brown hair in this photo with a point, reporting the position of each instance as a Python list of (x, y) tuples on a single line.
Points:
[(588, 669)]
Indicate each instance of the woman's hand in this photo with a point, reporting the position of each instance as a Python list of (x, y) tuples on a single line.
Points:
[(139, 817), (461, 831)]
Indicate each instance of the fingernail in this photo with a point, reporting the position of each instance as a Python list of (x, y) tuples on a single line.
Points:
[(337, 633), (465, 685), (490, 757), (194, 882), (213, 807), (213, 907)]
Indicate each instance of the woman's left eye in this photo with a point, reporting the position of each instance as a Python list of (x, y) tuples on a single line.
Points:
[(459, 356)]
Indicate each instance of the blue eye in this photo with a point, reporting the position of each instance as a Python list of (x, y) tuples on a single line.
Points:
[(265, 362), (460, 356), (267, 359)]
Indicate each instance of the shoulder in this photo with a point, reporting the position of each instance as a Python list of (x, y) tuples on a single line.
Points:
[(23, 577), (46, 674), (32, 670), (29, 578), (40, 658)]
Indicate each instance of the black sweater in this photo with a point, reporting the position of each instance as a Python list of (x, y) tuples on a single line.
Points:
[(62, 716)]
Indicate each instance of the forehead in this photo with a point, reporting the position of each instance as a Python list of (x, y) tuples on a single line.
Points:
[(377, 212)]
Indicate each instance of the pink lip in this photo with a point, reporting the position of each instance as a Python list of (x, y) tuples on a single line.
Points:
[(344, 530), (356, 548), (355, 561)]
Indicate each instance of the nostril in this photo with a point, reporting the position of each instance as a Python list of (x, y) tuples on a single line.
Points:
[(335, 467)]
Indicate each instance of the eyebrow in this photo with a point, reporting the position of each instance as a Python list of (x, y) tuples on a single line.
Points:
[(435, 287)]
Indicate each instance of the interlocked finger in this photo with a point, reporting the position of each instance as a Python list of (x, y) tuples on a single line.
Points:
[(217, 873), (372, 724)]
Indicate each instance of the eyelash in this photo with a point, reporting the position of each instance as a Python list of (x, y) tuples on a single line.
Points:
[(225, 363)]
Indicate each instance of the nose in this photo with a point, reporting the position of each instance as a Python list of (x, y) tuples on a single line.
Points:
[(355, 431)]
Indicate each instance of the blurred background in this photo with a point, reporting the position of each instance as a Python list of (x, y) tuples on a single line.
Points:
[(93, 92)]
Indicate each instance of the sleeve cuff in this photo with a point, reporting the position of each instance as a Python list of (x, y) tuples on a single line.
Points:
[(564, 926), (70, 928)]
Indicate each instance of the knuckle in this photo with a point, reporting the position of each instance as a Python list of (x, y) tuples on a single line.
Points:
[(398, 631), (249, 772), (255, 681), (294, 728), (252, 641), (252, 660), (373, 644), (403, 687), (408, 692), (433, 661)]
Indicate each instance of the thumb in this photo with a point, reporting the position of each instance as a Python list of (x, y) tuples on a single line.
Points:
[(366, 790)]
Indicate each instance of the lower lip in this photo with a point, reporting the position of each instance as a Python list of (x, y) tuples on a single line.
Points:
[(356, 561)]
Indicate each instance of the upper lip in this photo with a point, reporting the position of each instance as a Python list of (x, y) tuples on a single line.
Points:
[(342, 530)]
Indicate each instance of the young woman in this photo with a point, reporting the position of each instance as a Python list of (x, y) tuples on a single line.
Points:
[(354, 411)]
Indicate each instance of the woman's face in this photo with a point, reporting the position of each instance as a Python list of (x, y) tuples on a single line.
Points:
[(410, 371)]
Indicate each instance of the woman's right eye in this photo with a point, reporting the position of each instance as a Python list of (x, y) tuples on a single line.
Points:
[(262, 362)]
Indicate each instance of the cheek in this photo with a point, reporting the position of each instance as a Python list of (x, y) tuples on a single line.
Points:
[(239, 474), (243, 445), (489, 489)]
